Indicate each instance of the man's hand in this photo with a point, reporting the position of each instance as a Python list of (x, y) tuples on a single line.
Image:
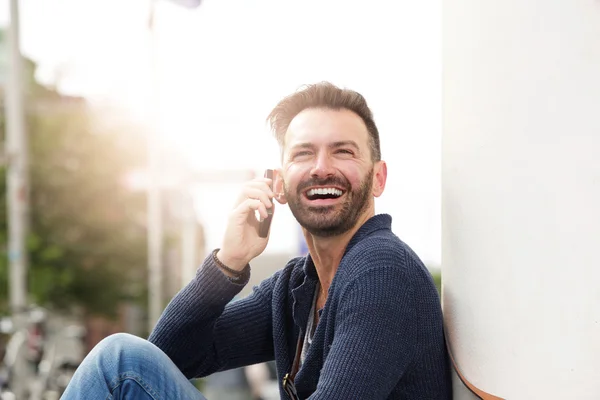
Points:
[(242, 242)]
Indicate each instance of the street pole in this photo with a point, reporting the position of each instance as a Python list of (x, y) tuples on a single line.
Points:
[(154, 217), (155, 228), (17, 171), (17, 191), (189, 238)]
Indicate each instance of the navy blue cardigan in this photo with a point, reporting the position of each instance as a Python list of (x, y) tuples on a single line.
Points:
[(380, 334)]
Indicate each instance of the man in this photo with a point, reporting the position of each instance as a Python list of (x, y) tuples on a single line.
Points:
[(358, 318)]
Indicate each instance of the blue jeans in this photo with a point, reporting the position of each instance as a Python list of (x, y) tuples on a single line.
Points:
[(124, 366)]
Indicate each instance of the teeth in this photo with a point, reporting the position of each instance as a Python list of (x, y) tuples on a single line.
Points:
[(323, 191)]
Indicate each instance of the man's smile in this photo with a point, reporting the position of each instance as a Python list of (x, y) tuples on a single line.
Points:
[(323, 195)]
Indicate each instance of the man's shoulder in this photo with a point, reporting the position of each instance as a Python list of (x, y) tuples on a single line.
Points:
[(383, 249), (381, 244)]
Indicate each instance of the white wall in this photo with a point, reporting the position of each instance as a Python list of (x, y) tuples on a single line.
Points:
[(521, 195)]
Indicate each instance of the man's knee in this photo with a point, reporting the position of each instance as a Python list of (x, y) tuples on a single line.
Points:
[(118, 341), (121, 346)]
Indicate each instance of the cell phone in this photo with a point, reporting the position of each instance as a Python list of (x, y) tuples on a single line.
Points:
[(264, 225)]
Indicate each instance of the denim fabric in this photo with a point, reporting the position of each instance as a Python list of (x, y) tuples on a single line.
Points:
[(124, 366)]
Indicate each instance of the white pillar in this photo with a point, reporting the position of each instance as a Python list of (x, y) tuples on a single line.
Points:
[(521, 195)]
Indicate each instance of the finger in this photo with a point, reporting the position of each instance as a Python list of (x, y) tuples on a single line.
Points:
[(249, 206), (253, 188), (259, 194), (270, 211), (263, 184)]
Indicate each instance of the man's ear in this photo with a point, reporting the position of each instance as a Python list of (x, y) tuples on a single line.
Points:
[(379, 178), (278, 187)]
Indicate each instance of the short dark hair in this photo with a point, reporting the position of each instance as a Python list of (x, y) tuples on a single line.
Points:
[(328, 96)]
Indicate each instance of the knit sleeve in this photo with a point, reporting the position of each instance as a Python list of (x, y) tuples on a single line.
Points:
[(375, 336), (203, 331)]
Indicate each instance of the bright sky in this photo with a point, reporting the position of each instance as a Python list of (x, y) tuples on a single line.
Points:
[(223, 66)]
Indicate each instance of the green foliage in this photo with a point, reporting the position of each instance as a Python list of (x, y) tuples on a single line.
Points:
[(437, 279), (86, 245)]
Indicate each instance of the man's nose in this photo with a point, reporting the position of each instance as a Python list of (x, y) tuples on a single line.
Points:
[(323, 167)]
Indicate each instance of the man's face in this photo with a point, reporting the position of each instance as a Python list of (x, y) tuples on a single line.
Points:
[(327, 170)]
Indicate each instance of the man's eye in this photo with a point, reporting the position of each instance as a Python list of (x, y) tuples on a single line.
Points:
[(344, 151), (301, 153)]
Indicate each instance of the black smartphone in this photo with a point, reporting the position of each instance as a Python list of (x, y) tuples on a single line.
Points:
[(263, 229)]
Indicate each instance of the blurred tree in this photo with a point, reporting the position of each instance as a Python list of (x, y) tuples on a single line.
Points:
[(87, 243), (436, 273), (437, 279)]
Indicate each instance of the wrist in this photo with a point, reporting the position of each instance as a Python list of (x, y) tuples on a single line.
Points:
[(231, 266)]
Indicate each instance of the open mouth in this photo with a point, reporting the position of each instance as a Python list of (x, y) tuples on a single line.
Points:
[(324, 193)]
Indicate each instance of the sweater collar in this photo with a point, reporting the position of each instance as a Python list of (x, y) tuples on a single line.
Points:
[(375, 223), (302, 294)]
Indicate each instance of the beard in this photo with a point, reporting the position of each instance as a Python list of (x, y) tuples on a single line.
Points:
[(331, 220)]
